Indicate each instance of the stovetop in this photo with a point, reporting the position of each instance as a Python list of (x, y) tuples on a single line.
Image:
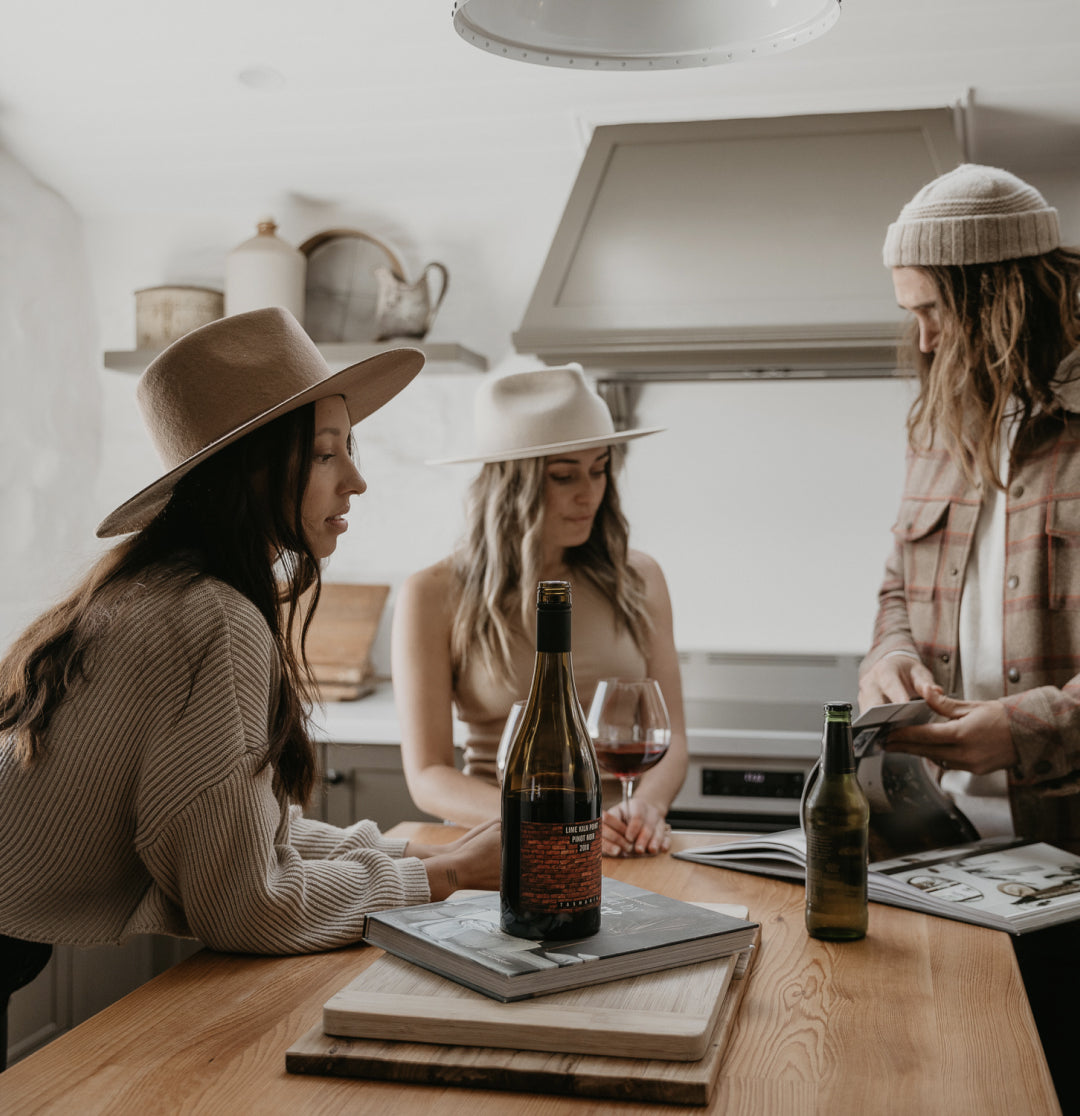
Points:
[(753, 733), (731, 697)]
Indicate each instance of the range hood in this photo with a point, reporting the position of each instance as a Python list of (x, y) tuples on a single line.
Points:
[(735, 249)]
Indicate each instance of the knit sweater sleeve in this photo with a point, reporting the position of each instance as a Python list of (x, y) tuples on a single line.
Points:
[(249, 875), (317, 840)]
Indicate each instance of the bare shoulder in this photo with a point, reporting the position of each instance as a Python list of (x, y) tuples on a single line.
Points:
[(430, 591), (657, 597), (649, 569)]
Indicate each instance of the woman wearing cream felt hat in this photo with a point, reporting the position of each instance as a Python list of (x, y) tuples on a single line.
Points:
[(154, 751), (544, 505)]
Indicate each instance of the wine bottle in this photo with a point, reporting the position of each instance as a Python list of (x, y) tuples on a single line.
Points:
[(836, 820), (551, 805)]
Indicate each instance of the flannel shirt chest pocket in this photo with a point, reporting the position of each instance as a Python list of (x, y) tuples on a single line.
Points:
[(920, 529), (1063, 553)]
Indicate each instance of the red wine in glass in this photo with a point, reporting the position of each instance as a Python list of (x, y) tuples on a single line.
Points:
[(629, 725), (628, 758)]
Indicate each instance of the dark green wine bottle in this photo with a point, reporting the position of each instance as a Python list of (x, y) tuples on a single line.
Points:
[(836, 820), (551, 841)]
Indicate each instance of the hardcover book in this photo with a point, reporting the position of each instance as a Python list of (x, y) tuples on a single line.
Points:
[(924, 853), (640, 932)]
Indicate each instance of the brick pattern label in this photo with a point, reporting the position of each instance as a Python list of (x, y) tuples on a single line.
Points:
[(560, 865)]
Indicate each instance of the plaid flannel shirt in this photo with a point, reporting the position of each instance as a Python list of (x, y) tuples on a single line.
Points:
[(919, 602)]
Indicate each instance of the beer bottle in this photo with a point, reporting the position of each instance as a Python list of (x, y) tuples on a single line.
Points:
[(836, 821), (551, 804)]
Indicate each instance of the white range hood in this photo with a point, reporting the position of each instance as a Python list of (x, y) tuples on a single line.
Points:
[(735, 248)]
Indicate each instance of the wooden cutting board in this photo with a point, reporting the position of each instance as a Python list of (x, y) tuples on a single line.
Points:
[(341, 635), (580, 1073), (669, 1014)]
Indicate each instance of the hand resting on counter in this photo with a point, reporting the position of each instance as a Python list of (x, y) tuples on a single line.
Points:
[(471, 861), (644, 833)]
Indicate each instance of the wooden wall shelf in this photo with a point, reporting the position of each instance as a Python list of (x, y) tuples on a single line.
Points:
[(442, 356)]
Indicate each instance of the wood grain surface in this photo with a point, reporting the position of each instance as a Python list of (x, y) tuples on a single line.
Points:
[(568, 1073), (669, 1014), (925, 1016)]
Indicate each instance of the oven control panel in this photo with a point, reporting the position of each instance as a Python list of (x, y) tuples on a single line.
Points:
[(746, 782)]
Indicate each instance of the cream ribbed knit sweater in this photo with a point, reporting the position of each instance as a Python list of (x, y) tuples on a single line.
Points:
[(146, 813)]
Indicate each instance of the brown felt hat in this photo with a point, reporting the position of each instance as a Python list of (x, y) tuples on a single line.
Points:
[(225, 379)]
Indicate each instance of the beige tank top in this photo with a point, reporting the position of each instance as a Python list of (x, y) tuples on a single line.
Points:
[(600, 649)]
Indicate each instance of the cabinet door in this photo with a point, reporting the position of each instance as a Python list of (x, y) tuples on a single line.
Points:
[(364, 781), (79, 982)]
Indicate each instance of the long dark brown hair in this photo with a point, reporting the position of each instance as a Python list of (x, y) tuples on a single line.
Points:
[(228, 519), (498, 564), (1005, 328)]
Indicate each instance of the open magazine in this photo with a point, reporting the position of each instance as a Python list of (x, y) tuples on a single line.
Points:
[(924, 853), (909, 812)]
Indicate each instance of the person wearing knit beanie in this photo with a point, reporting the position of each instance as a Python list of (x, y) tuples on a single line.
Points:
[(972, 215), (979, 610)]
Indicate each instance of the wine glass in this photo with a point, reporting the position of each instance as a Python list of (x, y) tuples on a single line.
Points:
[(628, 722), (507, 738)]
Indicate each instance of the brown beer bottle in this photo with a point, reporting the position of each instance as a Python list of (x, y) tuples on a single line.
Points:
[(551, 804), (836, 819)]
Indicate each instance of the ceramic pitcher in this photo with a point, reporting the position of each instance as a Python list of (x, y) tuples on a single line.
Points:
[(404, 309)]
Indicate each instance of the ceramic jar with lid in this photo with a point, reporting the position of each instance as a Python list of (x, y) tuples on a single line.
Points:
[(265, 271)]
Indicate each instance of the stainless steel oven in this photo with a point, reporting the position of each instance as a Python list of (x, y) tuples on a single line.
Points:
[(754, 731)]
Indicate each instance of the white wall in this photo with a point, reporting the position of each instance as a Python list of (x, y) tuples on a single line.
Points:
[(50, 414), (767, 504)]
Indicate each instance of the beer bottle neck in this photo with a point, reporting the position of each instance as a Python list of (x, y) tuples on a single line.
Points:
[(837, 756)]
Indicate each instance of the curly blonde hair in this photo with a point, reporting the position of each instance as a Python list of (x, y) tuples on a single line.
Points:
[(497, 564), (1005, 328)]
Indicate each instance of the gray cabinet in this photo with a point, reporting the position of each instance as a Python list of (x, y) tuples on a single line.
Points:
[(79, 982), (363, 781)]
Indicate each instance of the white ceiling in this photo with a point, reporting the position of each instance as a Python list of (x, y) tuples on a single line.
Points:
[(130, 106)]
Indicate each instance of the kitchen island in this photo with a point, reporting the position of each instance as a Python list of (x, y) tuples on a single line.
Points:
[(925, 1016)]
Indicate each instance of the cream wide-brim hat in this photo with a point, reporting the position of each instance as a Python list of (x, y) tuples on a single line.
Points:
[(537, 414), (227, 378)]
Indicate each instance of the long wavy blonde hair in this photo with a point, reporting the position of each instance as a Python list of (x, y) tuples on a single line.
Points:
[(1005, 328), (497, 564)]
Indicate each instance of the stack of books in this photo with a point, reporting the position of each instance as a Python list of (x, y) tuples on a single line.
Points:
[(642, 1009)]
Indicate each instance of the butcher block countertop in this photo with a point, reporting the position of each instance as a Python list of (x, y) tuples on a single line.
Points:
[(925, 1016)]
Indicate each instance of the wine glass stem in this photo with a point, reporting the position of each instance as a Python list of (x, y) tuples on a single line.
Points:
[(627, 792)]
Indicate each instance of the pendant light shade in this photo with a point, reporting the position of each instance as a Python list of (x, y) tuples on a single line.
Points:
[(640, 34)]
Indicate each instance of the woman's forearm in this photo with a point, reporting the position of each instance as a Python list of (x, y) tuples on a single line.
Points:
[(662, 783), (447, 793)]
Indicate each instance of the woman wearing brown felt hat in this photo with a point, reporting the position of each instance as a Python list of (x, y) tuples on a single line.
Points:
[(154, 752)]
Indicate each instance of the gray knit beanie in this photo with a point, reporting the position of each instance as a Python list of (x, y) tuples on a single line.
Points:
[(972, 215)]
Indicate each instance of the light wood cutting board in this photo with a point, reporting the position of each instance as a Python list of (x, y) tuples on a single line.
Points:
[(666, 1014), (670, 1014), (340, 638), (617, 1076)]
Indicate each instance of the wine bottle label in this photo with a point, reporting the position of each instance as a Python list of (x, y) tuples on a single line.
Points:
[(560, 865)]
